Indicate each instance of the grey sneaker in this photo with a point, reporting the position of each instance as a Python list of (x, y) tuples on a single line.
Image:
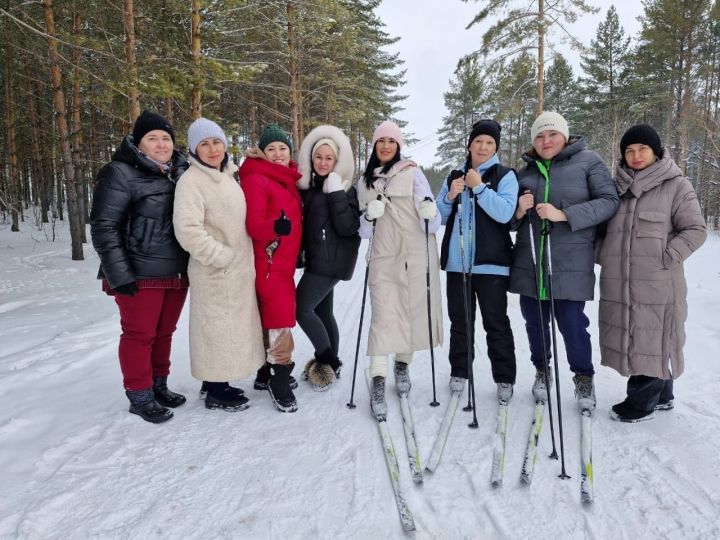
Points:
[(457, 384), (585, 391), (539, 390), (504, 391), (402, 378), (377, 398)]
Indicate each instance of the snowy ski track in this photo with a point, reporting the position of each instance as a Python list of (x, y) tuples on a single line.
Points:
[(75, 464)]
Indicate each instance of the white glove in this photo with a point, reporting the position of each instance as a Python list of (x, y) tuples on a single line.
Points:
[(427, 210), (332, 183), (374, 210)]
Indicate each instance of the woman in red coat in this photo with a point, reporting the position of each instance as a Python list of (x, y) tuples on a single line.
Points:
[(274, 222)]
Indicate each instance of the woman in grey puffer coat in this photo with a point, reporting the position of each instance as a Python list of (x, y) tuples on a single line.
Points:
[(643, 292), (575, 193)]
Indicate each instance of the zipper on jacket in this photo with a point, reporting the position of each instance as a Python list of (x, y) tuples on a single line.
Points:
[(324, 241)]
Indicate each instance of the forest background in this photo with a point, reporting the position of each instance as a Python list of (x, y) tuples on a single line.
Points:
[(76, 73)]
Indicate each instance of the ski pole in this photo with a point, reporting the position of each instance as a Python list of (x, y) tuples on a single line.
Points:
[(434, 402), (563, 474), (468, 336), (541, 318), (351, 404)]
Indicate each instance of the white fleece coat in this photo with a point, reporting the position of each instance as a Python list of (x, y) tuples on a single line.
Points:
[(209, 219)]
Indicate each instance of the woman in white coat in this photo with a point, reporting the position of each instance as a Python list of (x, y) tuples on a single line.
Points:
[(398, 205), (209, 220)]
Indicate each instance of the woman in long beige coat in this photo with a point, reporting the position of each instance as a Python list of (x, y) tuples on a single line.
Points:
[(209, 219), (643, 293), (398, 205)]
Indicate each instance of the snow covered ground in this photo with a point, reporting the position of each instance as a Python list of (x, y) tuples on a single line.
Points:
[(75, 464)]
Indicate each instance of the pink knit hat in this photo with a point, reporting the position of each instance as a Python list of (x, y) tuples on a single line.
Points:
[(388, 129)]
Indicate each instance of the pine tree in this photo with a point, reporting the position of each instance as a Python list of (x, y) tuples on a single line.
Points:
[(607, 87), (524, 26)]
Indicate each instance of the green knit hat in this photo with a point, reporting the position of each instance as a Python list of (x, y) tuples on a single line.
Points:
[(274, 133)]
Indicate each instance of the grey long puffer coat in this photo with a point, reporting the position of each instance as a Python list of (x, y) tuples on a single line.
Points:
[(582, 187), (643, 293)]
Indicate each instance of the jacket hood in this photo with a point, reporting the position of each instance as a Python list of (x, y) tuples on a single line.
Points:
[(575, 144), (638, 182), (130, 154), (345, 165), (279, 173), (229, 170)]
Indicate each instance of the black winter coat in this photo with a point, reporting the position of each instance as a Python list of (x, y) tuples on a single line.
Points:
[(131, 221), (330, 232)]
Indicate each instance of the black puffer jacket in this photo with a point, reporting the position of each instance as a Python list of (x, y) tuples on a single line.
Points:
[(330, 231), (131, 221)]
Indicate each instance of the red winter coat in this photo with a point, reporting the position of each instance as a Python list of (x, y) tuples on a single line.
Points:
[(270, 188)]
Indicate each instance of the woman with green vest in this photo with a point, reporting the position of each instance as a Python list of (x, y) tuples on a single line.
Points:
[(565, 192)]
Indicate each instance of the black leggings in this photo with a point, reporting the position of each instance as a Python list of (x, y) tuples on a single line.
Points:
[(315, 311)]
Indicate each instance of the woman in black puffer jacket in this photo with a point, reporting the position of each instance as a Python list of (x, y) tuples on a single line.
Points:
[(141, 263), (330, 242)]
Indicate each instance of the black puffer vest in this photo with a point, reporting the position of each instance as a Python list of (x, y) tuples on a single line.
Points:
[(493, 244)]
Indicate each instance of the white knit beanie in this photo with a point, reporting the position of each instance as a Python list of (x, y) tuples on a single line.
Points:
[(388, 129), (549, 121), (202, 129)]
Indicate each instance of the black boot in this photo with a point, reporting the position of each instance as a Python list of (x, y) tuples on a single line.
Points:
[(279, 387), (220, 395), (164, 396), (144, 405), (263, 374), (204, 390)]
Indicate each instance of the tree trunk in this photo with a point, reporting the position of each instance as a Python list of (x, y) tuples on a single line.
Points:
[(74, 217), (294, 91), (540, 104), (76, 130), (13, 193), (39, 177), (195, 103), (131, 59)]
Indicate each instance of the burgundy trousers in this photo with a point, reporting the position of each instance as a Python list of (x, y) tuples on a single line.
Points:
[(148, 320)]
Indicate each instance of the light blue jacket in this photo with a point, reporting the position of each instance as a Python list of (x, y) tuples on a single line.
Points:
[(499, 205)]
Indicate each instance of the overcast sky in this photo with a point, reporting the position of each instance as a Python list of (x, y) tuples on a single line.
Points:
[(433, 38)]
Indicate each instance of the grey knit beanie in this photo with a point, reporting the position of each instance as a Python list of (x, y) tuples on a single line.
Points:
[(202, 129)]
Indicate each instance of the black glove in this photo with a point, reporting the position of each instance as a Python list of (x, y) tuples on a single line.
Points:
[(129, 289), (282, 225)]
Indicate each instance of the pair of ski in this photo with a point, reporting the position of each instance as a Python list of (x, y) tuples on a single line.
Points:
[(406, 517), (586, 481), (498, 446), (586, 467)]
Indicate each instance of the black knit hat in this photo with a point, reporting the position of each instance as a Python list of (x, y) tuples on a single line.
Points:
[(485, 126), (641, 134), (149, 121)]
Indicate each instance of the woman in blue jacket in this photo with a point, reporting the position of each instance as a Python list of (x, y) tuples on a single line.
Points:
[(481, 200)]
